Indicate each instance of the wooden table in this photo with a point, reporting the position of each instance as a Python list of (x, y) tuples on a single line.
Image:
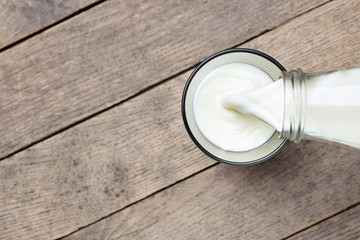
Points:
[(92, 141)]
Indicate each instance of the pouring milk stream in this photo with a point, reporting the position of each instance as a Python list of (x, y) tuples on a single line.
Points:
[(324, 106)]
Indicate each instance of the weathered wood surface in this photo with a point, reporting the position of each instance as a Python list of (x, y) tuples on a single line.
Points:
[(98, 167), (140, 147), (345, 226), (21, 18), (326, 39), (302, 185), (113, 51)]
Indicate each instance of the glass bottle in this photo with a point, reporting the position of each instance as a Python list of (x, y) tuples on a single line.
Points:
[(323, 106)]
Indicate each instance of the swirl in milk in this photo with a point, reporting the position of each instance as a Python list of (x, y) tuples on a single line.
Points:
[(224, 127)]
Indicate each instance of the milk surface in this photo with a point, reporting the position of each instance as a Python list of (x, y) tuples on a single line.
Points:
[(224, 127), (332, 111)]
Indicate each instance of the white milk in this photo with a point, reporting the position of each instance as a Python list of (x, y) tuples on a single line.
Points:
[(332, 109), (265, 103), (226, 128)]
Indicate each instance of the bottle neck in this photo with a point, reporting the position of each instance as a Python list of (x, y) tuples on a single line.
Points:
[(294, 105)]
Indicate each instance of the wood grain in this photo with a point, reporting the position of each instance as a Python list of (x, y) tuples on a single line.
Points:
[(113, 51), (317, 43), (139, 147), (98, 167), (22, 18), (300, 186), (343, 226)]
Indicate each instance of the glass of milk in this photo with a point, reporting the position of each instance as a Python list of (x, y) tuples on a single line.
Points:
[(222, 133)]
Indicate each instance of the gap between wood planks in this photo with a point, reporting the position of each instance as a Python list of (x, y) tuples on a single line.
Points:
[(322, 220), (78, 12), (140, 200), (144, 90)]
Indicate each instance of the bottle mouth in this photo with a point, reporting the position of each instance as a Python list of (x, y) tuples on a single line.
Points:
[(237, 55), (294, 105)]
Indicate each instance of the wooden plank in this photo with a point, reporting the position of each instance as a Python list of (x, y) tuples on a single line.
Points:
[(22, 18), (343, 226), (113, 51), (140, 147), (300, 186)]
